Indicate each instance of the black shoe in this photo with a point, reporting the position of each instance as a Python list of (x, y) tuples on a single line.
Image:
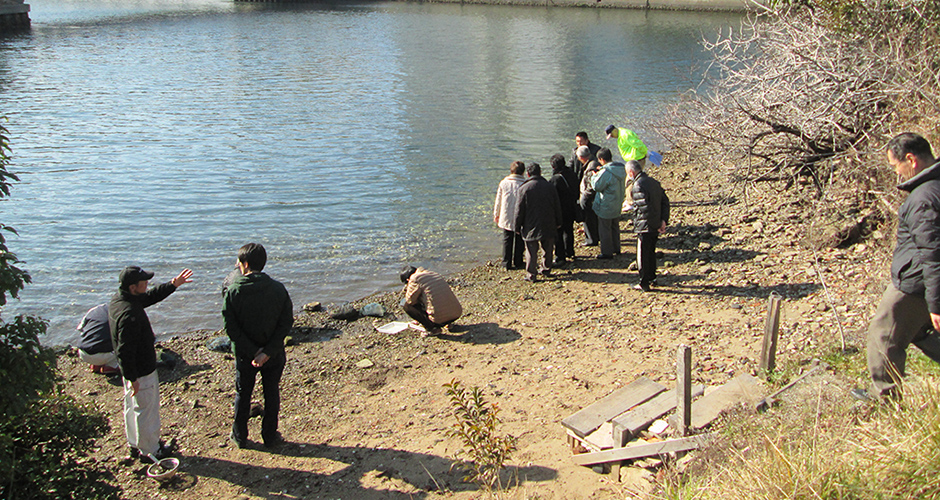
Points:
[(531, 279), (604, 257), (242, 443), (273, 441), (589, 244), (559, 263), (642, 287), (161, 453), (134, 453)]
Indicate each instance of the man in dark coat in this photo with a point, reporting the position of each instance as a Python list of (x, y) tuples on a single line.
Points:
[(651, 214), (538, 216), (576, 165), (133, 339), (566, 185), (909, 312), (258, 314), (589, 167)]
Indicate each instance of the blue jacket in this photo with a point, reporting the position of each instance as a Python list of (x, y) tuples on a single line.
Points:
[(609, 185)]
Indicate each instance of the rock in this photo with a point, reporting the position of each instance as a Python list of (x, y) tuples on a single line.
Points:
[(168, 359), (373, 309), (365, 363), (290, 340), (313, 307), (704, 246), (345, 311), (220, 344)]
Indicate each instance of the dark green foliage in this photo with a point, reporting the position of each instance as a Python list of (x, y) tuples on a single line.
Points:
[(477, 424), (42, 435), (27, 370), (12, 278), (41, 449)]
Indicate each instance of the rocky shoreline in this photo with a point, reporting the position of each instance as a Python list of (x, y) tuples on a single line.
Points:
[(365, 414)]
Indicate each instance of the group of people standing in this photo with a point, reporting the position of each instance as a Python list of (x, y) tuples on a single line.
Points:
[(535, 213)]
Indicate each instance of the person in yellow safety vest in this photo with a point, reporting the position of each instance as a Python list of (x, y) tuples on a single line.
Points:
[(631, 149), (629, 144)]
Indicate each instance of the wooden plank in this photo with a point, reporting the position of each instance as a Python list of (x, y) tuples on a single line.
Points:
[(644, 450), (742, 389), (639, 418), (590, 418), (768, 353), (684, 388)]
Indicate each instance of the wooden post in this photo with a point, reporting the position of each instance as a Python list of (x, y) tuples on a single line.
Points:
[(768, 354), (684, 388)]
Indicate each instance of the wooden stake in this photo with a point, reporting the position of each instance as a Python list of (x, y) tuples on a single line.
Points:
[(768, 354), (684, 388)]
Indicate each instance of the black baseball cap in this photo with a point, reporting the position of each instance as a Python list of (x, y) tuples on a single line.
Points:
[(131, 275)]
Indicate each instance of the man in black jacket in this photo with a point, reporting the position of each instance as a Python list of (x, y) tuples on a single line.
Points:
[(651, 214), (566, 185), (909, 312), (258, 314), (133, 339), (576, 165), (538, 217)]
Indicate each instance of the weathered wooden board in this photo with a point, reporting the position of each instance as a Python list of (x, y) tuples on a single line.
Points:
[(590, 418), (643, 450), (639, 418), (742, 389)]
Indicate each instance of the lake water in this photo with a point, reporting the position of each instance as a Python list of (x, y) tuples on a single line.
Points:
[(348, 138)]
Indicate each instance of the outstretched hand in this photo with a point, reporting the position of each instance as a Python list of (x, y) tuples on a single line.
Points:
[(182, 278)]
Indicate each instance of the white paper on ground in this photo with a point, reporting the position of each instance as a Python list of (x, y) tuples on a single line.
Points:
[(393, 327)]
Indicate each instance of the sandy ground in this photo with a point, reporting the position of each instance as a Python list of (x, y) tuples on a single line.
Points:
[(540, 351)]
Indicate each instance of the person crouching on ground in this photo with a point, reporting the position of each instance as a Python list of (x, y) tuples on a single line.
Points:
[(428, 300), (258, 314), (96, 348)]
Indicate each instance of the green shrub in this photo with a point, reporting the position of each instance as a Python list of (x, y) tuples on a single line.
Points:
[(43, 447), (477, 425), (42, 435)]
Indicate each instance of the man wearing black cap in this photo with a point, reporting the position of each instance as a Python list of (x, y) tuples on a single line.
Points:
[(133, 339)]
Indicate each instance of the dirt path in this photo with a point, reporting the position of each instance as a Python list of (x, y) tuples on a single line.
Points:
[(540, 351)]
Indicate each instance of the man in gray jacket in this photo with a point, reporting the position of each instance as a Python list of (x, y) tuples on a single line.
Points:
[(538, 217), (909, 312)]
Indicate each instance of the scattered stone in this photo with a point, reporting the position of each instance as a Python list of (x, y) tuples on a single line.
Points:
[(313, 307), (346, 312), (373, 309), (365, 363), (220, 344), (168, 359)]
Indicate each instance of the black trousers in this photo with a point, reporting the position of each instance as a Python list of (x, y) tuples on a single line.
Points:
[(245, 374), (646, 256), (513, 250), (590, 227), (564, 241)]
